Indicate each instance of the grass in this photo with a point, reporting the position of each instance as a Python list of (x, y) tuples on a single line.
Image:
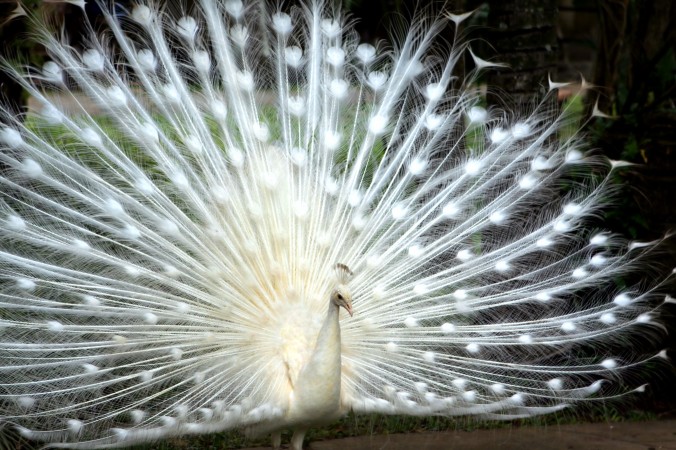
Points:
[(375, 424), (353, 425)]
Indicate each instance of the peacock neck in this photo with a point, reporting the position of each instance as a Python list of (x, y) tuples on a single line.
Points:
[(327, 349), (330, 331)]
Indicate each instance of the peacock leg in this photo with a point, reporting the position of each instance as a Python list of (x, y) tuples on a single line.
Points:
[(297, 439), (277, 440)]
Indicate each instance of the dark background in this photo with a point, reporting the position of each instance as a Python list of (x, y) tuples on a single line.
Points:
[(625, 48)]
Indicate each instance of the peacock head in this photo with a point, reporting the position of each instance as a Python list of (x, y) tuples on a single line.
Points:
[(341, 296)]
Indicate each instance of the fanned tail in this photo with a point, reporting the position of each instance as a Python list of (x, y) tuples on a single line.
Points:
[(166, 262)]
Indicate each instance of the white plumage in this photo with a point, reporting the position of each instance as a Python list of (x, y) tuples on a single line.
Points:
[(166, 265)]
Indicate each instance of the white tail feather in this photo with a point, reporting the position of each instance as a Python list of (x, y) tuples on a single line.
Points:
[(166, 265)]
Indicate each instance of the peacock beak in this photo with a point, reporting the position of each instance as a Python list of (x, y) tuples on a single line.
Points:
[(348, 308)]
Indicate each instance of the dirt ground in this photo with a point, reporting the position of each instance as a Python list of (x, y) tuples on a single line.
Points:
[(654, 435)]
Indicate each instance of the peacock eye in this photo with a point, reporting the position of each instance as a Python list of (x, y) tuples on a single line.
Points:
[(340, 297)]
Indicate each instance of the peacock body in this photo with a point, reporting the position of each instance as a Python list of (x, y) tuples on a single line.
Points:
[(166, 262)]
